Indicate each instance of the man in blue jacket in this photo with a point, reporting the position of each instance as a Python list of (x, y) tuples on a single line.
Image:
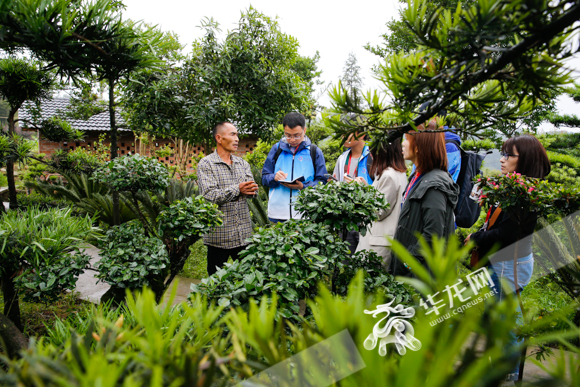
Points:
[(291, 158)]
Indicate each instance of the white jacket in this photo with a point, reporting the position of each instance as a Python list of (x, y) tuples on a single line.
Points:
[(391, 184)]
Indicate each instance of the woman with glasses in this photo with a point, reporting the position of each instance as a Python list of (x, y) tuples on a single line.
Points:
[(524, 155), (430, 196), (389, 178)]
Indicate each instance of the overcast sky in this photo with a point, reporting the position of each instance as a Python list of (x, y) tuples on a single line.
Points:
[(334, 28)]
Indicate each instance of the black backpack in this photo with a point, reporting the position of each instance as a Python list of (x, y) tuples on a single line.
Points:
[(312, 156), (467, 210)]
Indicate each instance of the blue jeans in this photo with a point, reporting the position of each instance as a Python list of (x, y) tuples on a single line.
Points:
[(277, 220), (504, 271)]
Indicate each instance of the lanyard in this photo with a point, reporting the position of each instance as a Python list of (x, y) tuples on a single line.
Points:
[(347, 165), (410, 186), (488, 214)]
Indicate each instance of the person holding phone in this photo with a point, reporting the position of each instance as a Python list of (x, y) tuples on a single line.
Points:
[(355, 161), (293, 164), (226, 180)]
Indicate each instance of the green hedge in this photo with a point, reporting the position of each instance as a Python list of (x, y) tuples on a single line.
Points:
[(567, 160)]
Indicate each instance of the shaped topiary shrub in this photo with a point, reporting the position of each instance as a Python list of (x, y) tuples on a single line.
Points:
[(132, 260), (342, 206), (289, 258), (168, 228), (182, 224), (134, 173)]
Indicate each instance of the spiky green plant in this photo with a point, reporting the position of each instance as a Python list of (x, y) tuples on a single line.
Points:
[(40, 254)]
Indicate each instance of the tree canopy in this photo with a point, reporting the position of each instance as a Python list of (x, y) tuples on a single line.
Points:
[(494, 60), (251, 78)]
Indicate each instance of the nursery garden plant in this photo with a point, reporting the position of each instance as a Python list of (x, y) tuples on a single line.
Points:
[(40, 256), (154, 251), (291, 258), (246, 318)]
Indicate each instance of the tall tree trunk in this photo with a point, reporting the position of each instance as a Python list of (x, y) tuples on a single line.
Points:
[(10, 166), (12, 338), (11, 304), (116, 207)]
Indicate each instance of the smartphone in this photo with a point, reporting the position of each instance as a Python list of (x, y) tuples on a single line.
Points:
[(329, 176)]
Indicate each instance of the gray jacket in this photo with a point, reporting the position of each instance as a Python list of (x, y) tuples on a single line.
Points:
[(428, 210)]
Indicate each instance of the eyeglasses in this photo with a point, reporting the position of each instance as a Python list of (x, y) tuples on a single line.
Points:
[(507, 155), (291, 136)]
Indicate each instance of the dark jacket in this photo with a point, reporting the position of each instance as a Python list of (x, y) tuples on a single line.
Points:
[(504, 234), (428, 210)]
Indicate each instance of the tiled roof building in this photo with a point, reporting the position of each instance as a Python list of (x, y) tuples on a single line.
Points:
[(127, 141), (52, 107)]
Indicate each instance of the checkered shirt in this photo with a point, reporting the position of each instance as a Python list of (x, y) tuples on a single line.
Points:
[(219, 183)]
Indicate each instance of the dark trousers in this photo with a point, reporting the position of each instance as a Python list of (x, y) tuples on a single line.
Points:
[(352, 237), (217, 257)]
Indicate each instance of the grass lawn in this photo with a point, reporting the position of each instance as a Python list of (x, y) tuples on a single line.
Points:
[(543, 297), (37, 316)]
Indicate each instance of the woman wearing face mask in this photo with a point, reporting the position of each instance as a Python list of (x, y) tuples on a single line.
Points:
[(388, 171), (430, 196), (524, 155)]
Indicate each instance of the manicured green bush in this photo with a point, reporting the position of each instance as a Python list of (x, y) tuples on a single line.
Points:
[(567, 160), (341, 206), (478, 145), (129, 259), (289, 258), (133, 173), (564, 174), (78, 161), (188, 219), (376, 279)]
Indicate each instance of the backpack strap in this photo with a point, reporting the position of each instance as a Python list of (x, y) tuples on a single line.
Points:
[(313, 156), (276, 155), (494, 217)]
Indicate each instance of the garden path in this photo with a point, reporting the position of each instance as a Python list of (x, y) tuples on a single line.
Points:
[(92, 290)]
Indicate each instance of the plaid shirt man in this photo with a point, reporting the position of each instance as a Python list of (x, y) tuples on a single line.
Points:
[(219, 183)]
